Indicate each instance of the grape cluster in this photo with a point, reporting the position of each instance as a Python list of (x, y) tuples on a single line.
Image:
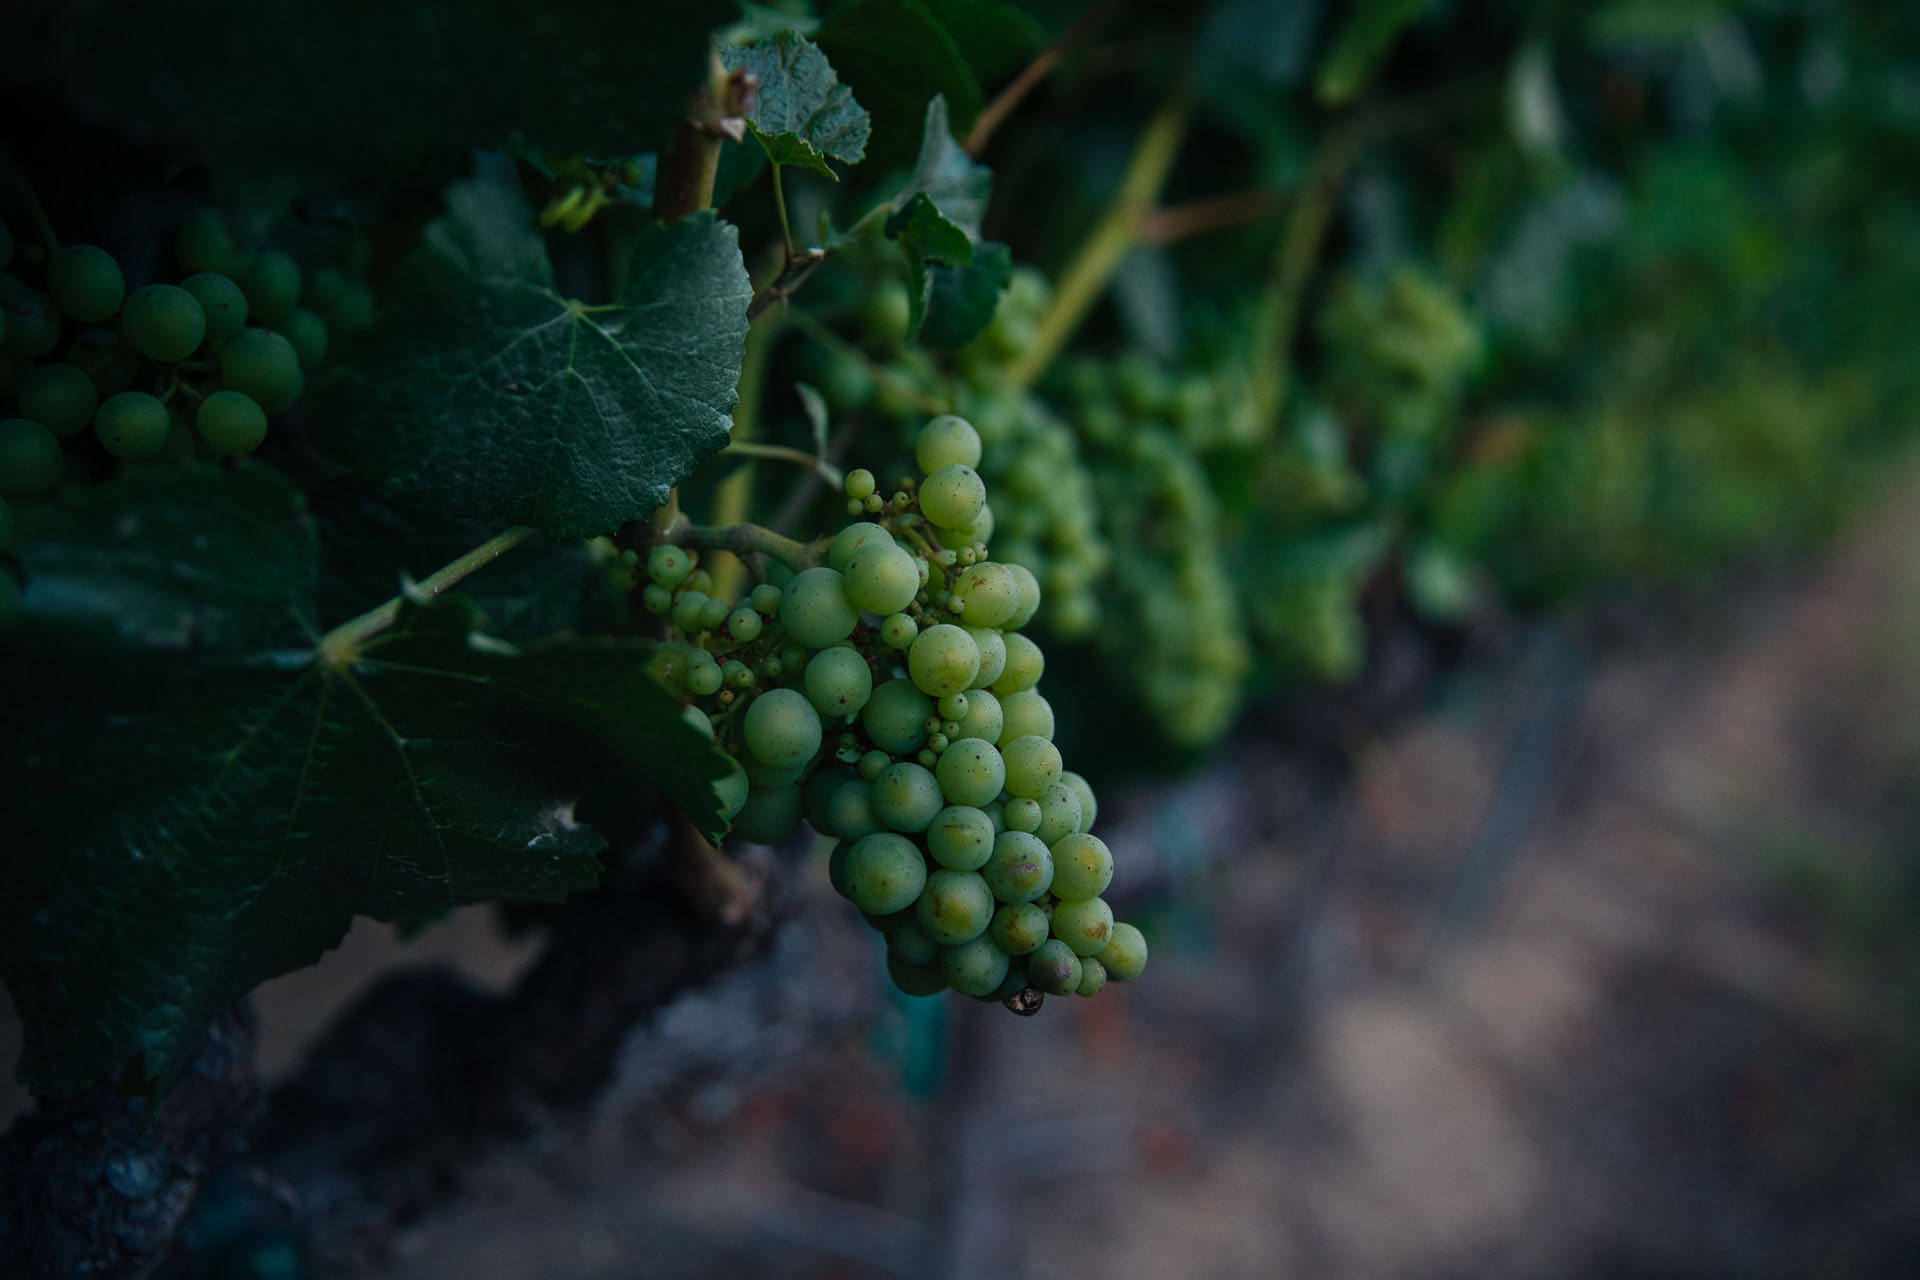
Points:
[(889, 697)]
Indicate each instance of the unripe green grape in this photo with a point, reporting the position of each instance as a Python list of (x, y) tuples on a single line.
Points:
[(997, 813), (850, 539), (952, 707), (960, 838), (871, 764), (898, 631), (272, 286), (850, 811), (1089, 806), (838, 682), (32, 321), (699, 580), (163, 322), (1054, 968), (905, 797), (1020, 869), (231, 423), (131, 425), (713, 613), (992, 594), (60, 397), (657, 599), (884, 873), (984, 717), (770, 814), (946, 440), (943, 659), (971, 772), (1025, 665), (1084, 924), (264, 365), (669, 566), (6, 526), (1018, 928), (86, 282), (1021, 814), (688, 606), (860, 483), (221, 300), (765, 599), (1026, 713), (703, 674), (308, 334), (1125, 954), (916, 979), (1029, 596), (205, 243), (952, 495), (993, 656), (975, 968), (736, 674), (895, 717), (667, 664), (1082, 867), (820, 788), (977, 530), (110, 363), (782, 729), (29, 458), (954, 907), (907, 940), (1033, 765), (1059, 814), (815, 610), (731, 790), (937, 742), (762, 774), (881, 577), (1093, 976)]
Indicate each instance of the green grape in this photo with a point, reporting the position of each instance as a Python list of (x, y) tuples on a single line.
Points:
[(1022, 814), (6, 526), (905, 797), (732, 789), (860, 483), (222, 302), (884, 873), (163, 322), (820, 789), (895, 717), (1093, 976), (991, 593), (881, 577), (744, 625), (59, 396), (952, 707), (815, 609), (264, 365), (782, 729), (1084, 924), (1029, 596), (975, 968), (1018, 928), (765, 599), (131, 425), (1033, 765), (1054, 968), (230, 423), (701, 722), (688, 606), (996, 814), (850, 811), (1025, 665), (898, 631), (308, 334), (838, 682), (943, 659), (907, 940), (699, 580), (32, 321), (960, 838), (1088, 805), (952, 496), (667, 664), (1059, 814), (669, 565), (993, 656), (703, 674), (1125, 954), (954, 907), (970, 772), (1082, 867), (657, 599), (29, 458), (1020, 869), (204, 243), (1025, 713), (272, 286), (984, 717), (840, 551), (916, 979), (86, 282), (762, 774), (713, 614), (110, 363), (944, 441), (770, 814), (871, 763)]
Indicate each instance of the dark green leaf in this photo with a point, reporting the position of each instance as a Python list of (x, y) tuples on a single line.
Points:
[(895, 55), (926, 235), (491, 394), (947, 175), (758, 21), (802, 114), (961, 301), (936, 218)]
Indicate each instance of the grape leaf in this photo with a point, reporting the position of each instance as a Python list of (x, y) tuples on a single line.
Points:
[(204, 803), (947, 174), (960, 301), (491, 394), (936, 218), (802, 115), (895, 55)]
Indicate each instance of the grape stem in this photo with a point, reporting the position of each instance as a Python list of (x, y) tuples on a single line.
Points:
[(340, 647), (733, 494), (718, 113), (780, 207), (744, 540), (785, 453)]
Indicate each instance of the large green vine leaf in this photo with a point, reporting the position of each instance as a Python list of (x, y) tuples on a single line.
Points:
[(496, 397), (802, 115), (936, 218), (206, 802), (895, 55)]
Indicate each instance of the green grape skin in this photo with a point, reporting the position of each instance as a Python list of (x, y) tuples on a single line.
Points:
[(837, 867), (1054, 968), (884, 873), (6, 526), (110, 363), (688, 606), (205, 243), (1082, 867), (1125, 955), (132, 425), (669, 566), (898, 631), (895, 717), (703, 675), (946, 440), (1018, 928), (1084, 924), (264, 365), (1020, 869), (1025, 665), (991, 593), (1093, 976), (905, 797), (731, 790), (699, 720), (954, 907), (744, 625), (714, 614), (230, 423), (86, 282), (996, 813), (1021, 814), (770, 814), (971, 772), (699, 580), (60, 397), (765, 599), (821, 785), (1089, 806), (657, 599), (761, 774), (782, 729), (984, 718), (916, 979), (815, 610), (952, 707), (977, 530), (1059, 814), (1024, 713), (952, 496), (272, 286), (975, 968), (907, 940), (942, 660), (993, 656), (850, 811), (1033, 765), (859, 484), (960, 838), (871, 763), (308, 334), (221, 300), (163, 322), (850, 540), (881, 577), (1029, 596), (32, 321), (29, 458)]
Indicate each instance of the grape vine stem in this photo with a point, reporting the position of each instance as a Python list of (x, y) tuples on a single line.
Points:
[(341, 646), (744, 540)]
